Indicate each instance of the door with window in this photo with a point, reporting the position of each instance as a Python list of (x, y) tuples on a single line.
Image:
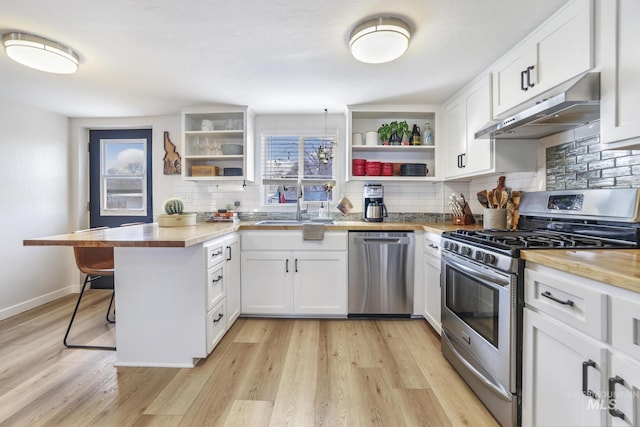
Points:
[(119, 180)]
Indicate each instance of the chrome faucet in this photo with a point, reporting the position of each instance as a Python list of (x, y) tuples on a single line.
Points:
[(298, 199)]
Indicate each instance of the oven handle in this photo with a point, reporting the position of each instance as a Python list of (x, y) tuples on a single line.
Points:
[(496, 388), (490, 280)]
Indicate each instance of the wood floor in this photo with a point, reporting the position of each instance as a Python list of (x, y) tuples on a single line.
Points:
[(265, 372)]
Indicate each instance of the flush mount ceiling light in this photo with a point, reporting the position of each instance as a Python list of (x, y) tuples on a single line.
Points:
[(379, 40), (40, 53)]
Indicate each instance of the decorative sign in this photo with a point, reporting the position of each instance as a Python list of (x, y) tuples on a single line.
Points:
[(172, 159)]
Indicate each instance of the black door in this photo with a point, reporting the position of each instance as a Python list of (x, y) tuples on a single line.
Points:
[(120, 180)]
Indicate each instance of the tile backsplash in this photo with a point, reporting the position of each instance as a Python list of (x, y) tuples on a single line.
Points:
[(582, 164)]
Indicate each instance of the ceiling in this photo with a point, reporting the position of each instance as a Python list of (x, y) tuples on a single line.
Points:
[(155, 57)]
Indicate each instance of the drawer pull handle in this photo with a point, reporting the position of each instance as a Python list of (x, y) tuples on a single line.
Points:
[(296, 265), (286, 268), (431, 245), (228, 253), (215, 254), (611, 397), (547, 294), (585, 380), (218, 319), (217, 280)]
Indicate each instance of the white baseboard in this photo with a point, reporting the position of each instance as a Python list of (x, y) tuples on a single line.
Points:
[(5, 313)]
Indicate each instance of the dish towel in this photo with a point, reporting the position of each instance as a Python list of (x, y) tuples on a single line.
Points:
[(312, 232)]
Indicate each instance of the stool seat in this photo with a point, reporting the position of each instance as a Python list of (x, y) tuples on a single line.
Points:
[(95, 262)]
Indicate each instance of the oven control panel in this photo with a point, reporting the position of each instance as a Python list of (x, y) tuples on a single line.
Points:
[(480, 255)]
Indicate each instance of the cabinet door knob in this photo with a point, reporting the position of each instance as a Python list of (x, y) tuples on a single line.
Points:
[(530, 82), (548, 294), (286, 266), (585, 380), (228, 253), (611, 397), (522, 85)]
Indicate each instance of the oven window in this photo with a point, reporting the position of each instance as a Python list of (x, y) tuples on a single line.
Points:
[(474, 303)]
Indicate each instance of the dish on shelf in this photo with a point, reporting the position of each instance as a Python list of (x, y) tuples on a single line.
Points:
[(232, 172), (231, 149), (413, 169)]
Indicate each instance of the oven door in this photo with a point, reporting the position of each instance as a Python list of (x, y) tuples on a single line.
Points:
[(479, 321)]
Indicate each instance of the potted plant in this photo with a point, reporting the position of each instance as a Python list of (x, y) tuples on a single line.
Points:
[(384, 132)]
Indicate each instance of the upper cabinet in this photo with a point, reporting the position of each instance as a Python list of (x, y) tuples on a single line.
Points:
[(464, 155), (620, 84), (557, 51), (363, 120), (217, 143)]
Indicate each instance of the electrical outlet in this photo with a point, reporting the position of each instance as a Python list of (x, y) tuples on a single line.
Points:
[(236, 203)]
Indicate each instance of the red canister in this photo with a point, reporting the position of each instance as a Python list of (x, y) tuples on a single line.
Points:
[(358, 167), (373, 168), (386, 169)]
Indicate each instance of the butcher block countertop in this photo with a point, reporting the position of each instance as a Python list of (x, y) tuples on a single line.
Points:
[(151, 235), (618, 267)]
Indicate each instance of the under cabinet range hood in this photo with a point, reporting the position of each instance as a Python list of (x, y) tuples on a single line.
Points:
[(576, 106)]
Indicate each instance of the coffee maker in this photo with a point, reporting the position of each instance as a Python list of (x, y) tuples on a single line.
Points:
[(373, 208)]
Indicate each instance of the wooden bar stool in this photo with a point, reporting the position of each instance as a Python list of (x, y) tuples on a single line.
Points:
[(95, 262)]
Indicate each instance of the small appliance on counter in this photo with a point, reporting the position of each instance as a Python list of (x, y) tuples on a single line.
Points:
[(373, 208)]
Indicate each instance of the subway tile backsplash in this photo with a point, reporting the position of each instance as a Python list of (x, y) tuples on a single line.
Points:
[(583, 164)]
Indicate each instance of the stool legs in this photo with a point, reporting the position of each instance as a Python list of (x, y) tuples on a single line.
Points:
[(73, 316)]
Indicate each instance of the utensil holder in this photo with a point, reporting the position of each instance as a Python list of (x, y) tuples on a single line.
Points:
[(494, 219)]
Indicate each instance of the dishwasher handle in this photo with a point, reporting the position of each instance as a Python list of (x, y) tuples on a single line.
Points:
[(381, 240)]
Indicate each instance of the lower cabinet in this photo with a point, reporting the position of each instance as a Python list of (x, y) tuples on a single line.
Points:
[(555, 360), (222, 288), (311, 280), (581, 347), (432, 294)]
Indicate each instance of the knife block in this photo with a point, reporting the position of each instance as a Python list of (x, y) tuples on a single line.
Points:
[(467, 219)]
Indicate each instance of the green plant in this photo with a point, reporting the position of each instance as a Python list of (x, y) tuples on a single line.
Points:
[(403, 129), (173, 206), (384, 132)]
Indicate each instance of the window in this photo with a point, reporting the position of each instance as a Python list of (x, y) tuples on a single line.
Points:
[(296, 157), (123, 177)]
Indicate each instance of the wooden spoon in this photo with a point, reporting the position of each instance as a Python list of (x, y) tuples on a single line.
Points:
[(504, 198), (491, 199), (482, 198)]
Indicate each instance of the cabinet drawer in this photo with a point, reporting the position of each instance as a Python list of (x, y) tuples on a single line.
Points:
[(569, 299), (215, 286), (216, 325), (214, 254), (625, 326)]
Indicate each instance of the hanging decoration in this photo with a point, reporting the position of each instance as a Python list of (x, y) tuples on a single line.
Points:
[(325, 149), (172, 159)]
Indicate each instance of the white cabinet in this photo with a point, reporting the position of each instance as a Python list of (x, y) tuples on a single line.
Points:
[(217, 144), (431, 293), (555, 52), (232, 277), (464, 155), (620, 85), (222, 291), (282, 274), (555, 358), (581, 351), (363, 119)]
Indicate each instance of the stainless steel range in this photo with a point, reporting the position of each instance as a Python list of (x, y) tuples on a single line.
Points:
[(482, 282)]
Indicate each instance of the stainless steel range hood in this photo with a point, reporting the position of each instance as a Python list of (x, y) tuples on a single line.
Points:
[(576, 106)]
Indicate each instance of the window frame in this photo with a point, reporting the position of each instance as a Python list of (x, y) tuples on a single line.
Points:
[(328, 134)]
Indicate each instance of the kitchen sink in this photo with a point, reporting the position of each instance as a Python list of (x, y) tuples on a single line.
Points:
[(279, 222), (325, 221)]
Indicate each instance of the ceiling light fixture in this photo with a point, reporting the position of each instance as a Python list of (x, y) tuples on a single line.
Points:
[(379, 40), (40, 53)]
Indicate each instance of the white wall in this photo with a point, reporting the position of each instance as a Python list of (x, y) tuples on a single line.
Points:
[(34, 147)]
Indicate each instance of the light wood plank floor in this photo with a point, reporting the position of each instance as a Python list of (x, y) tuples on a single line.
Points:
[(265, 372)]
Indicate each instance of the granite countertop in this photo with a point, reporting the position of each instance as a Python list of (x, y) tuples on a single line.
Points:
[(618, 267)]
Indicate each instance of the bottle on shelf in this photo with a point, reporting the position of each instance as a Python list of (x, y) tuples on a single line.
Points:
[(415, 135), (427, 134)]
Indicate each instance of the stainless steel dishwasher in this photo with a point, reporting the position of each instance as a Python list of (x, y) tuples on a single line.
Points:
[(381, 268)]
